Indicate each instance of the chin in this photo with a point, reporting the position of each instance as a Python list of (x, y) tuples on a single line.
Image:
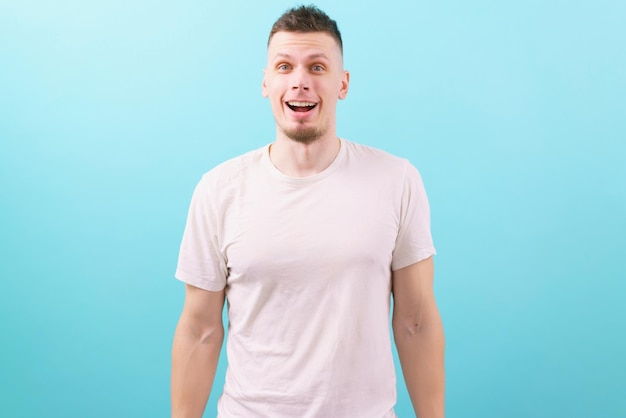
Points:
[(304, 135)]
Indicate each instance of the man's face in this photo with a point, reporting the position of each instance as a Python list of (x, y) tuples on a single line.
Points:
[(303, 80)]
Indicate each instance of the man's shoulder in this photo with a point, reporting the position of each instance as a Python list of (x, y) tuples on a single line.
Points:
[(235, 168), (375, 157)]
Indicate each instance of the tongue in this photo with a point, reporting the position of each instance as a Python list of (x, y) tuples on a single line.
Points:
[(301, 108)]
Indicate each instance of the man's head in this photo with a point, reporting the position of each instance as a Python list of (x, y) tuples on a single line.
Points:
[(305, 19), (304, 76)]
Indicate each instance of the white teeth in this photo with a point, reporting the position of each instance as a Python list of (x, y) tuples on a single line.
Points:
[(301, 104)]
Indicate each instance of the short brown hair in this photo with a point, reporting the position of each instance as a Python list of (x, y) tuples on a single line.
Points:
[(306, 19)]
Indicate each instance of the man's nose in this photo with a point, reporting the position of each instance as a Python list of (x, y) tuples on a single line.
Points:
[(300, 80)]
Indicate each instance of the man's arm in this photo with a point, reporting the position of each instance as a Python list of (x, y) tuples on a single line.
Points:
[(418, 333), (195, 352)]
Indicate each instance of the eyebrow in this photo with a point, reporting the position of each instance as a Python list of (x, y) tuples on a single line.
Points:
[(312, 56)]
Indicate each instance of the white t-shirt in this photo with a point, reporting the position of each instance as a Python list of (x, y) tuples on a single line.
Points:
[(306, 263)]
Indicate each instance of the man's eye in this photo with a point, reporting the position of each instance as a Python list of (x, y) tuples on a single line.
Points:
[(283, 67), (317, 68)]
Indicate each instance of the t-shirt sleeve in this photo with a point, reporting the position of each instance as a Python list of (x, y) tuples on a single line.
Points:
[(200, 261), (414, 241)]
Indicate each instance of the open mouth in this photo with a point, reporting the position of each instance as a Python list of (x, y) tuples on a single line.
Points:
[(301, 106)]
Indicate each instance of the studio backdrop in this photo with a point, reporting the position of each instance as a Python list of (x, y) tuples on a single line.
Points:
[(110, 112)]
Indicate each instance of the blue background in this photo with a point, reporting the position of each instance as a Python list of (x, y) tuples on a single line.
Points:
[(110, 111)]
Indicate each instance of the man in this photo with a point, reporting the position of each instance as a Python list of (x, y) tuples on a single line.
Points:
[(307, 238)]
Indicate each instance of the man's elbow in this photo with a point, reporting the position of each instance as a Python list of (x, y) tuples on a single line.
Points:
[(212, 334), (202, 332), (416, 326), (406, 326)]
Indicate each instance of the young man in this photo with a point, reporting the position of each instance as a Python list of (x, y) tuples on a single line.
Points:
[(307, 238)]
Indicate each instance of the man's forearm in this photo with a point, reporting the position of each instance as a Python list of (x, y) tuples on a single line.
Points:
[(194, 362), (421, 353)]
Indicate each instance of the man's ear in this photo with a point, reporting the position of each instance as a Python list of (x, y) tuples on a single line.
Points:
[(345, 82), (264, 84)]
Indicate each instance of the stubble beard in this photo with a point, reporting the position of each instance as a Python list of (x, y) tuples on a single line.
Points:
[(303, 134)]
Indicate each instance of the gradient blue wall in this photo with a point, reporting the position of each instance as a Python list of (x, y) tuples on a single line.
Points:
[(514, 112)]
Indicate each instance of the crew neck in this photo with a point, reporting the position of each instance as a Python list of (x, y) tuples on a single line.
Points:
[(279, 175)]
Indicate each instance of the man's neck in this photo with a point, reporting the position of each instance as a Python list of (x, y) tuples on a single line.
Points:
[(297, 159)]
